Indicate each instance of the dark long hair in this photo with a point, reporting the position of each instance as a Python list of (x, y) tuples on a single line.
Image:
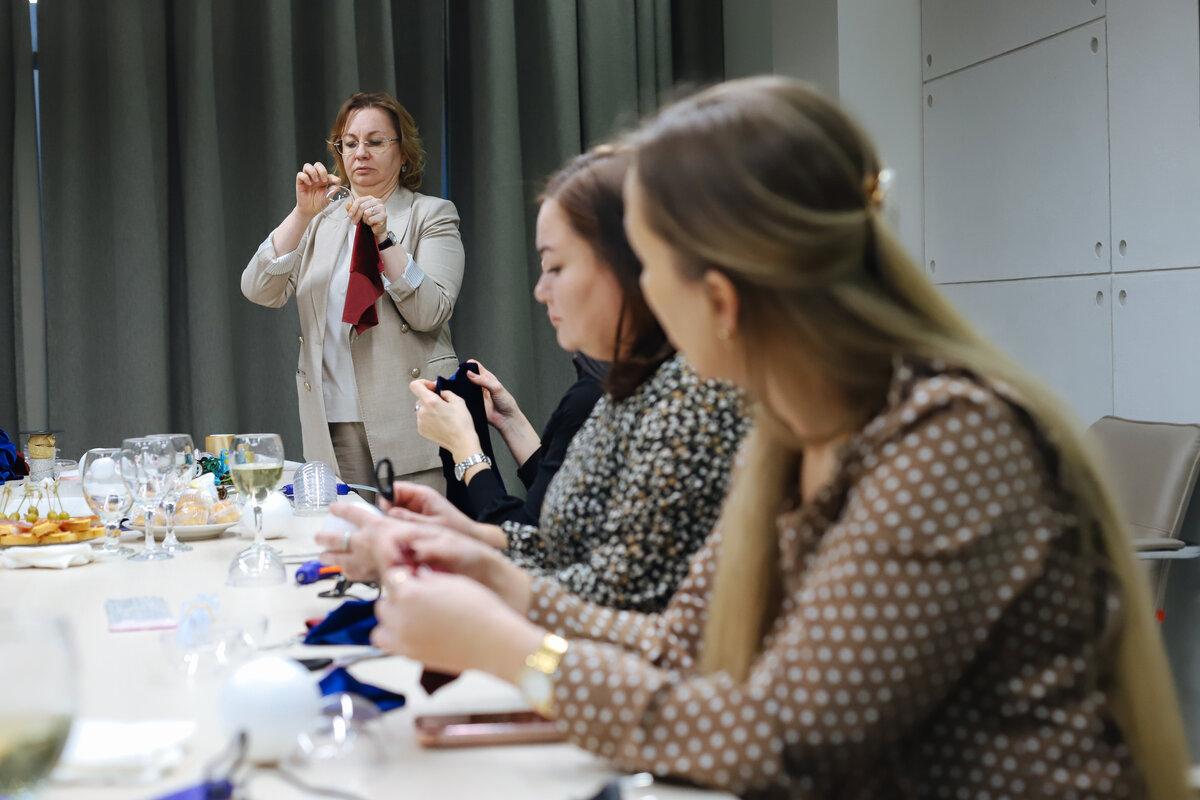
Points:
[(589, 191)]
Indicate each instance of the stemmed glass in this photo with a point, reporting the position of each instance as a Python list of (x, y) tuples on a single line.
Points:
[(37, 698), (256, 465), (147, 465), (185, 470), (106, 494)]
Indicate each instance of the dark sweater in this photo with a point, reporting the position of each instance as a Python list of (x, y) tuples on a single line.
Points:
[(486, 490)]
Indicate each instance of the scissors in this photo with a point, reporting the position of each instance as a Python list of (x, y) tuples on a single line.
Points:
[(385, 478)]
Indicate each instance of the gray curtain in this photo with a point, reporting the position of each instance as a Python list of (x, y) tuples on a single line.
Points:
[(531, 83), (17, 155), (176, 130)]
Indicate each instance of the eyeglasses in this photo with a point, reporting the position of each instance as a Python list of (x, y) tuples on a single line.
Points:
[(350, 146)]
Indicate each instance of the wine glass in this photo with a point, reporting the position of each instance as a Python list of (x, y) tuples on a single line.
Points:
[(106, 494), (147, 464), (256, 466), (37, 698), (185, 470)]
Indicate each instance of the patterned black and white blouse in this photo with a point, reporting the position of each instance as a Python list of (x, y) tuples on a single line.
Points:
[(638, 491)]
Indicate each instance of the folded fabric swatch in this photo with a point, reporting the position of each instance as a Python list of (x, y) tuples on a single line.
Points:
[(110, 751), (340, 680), (49, 556), (366, 284), (472, 395), (349, 623), (352, 623)]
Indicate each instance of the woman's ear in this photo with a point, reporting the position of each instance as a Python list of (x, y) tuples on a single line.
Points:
[(724, 303)]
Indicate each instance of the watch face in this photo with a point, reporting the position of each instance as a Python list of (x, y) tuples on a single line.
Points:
[(536, 686)]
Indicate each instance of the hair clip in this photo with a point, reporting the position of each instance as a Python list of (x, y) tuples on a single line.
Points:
[(879, 185)]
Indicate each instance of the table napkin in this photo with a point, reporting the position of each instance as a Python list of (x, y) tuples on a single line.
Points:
[(111, 751), (50, 556)]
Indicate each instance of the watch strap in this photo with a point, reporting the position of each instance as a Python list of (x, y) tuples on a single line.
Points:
[(460, 469), (387, 242)]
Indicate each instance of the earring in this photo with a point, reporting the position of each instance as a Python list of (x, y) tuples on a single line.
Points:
[(403, 169)]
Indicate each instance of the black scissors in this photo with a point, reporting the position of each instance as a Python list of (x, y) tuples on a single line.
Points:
[(385, 478)]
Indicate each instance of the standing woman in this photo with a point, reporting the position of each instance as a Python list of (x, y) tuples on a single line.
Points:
[(919, 586), (352, 380)]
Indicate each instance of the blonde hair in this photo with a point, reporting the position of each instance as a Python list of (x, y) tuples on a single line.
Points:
[(772, 185), (406, 130)]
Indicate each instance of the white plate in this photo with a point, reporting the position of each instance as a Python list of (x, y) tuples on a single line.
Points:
[(185, 533)]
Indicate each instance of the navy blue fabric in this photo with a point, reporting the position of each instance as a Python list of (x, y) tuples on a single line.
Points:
[(352, 623), (472, 395), (349, 623), (339, 680), (12, 464)]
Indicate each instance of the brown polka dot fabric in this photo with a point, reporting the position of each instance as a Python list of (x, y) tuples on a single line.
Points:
[(943, 634)]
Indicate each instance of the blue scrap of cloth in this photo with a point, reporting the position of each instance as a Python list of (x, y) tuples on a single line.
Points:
[(349, 623), (339, 680)]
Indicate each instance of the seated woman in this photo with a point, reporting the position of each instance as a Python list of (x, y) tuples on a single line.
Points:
[(445, 420), (642, 481), (919, 585)]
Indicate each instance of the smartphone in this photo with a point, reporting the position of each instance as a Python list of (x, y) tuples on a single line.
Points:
[(471, 730)]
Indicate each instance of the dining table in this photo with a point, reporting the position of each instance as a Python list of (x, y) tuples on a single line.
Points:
[(144, 677)]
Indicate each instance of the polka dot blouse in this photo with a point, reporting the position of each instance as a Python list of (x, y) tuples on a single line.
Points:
[(639, 490), (941, 634)]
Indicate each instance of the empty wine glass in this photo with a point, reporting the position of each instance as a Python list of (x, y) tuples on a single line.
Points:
[(37, 698), (147, 466), (256, 466), (106, 494), (185, 470)]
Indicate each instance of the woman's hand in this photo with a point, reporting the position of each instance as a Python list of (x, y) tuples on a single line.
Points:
[(446, 551), (370, 210), (354, 551), (312, 183), (444, 420), (500, 405), (421, 504), (451, 623), (505, 415)]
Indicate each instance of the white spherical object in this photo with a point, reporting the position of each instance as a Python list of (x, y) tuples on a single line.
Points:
[(276, 517), (103, 469), (272, 699)]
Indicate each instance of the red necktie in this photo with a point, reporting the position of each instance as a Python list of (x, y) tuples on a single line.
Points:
[(366, 285)]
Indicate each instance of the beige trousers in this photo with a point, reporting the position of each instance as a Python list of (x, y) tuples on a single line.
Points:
[(355, 465)]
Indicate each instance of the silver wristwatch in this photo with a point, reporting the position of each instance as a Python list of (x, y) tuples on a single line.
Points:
[(461, 467), (387, 242)]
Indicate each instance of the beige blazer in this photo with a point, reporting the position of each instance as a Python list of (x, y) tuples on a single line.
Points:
[(411, 340)]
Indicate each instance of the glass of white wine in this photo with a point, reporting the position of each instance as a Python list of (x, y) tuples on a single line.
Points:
[(256, 465), (37, 698), (106, 494)]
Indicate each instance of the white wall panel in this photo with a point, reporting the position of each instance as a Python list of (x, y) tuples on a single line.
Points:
[(1016, 163), (1057, 328), (1156, 333), (1154, 112), (958, 33)]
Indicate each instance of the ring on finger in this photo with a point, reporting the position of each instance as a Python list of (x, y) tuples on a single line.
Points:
[(346, 541)]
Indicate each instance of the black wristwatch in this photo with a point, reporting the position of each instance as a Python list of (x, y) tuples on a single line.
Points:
[(388, 242)]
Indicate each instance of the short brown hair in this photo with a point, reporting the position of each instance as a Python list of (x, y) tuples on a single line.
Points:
[(589, 191), (406, 128)]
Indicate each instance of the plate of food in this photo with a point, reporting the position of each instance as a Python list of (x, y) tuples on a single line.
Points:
[(21, 533), (193, 520)]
